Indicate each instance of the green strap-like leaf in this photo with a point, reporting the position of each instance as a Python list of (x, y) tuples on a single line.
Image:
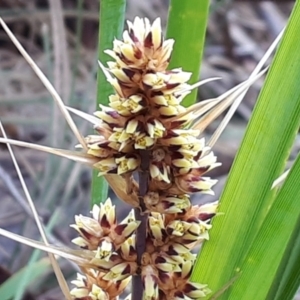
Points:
[(10, 287), (287, 280), (112, 14), (246, 198), (187, 23), (272, 242)]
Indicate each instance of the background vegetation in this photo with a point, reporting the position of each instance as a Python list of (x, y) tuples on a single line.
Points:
[(62, 36)]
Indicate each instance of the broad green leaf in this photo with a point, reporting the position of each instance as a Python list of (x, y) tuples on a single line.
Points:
[(9, 288), (111, 23), (287, 280), (187, 25), (247, 196), (273, 242)]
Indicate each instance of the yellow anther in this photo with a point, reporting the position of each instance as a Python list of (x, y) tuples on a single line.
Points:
[(179, 227)]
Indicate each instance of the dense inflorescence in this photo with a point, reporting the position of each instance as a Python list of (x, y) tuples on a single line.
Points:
[(146, 122), (166, 264)]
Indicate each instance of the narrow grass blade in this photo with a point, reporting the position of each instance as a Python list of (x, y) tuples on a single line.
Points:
[(79, 25), (46, 82), (215, 108), (72, 155), (247, 196), (58, 273), (85, 116), (240, 98), (112, 14), (78, 256), (210, 109), (8, 289), (187, 25)]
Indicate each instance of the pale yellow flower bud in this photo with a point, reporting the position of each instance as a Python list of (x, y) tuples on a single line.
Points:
[(155, 128), (106, 214), (196, 290), (126, 164), (157, 228), (150, 282), (166, 264), (97, 293), (127, 249), (190, 183), (125, 229), (120, 271), (106, 166), (105, 250)]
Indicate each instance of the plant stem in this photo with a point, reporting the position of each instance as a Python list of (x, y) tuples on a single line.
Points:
[(137, 284)]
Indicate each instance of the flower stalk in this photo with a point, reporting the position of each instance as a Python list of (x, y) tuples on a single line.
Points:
[(141, 233), (140, 215)]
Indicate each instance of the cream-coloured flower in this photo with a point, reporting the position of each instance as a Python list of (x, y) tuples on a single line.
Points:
[(143, 46), (101, 233), (150, 282), (169, 204)]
